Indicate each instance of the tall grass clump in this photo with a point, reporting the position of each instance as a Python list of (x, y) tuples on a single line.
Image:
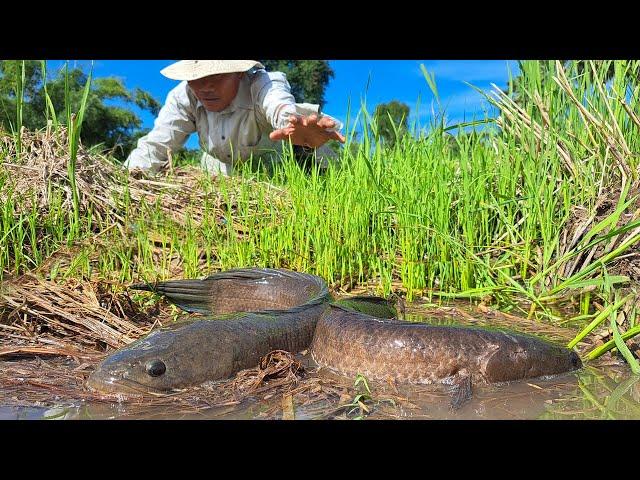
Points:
[(74, 125), (585, 114)]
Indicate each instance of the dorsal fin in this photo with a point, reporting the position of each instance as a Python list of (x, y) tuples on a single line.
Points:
[(195, 295), (374, 306)]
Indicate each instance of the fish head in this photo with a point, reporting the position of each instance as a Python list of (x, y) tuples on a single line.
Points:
[(526, 356), (164, 360), (553, 360)]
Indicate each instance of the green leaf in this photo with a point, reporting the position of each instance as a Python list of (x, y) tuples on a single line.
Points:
[(431, 81), (622, 347), (597, 321), (592, 282)]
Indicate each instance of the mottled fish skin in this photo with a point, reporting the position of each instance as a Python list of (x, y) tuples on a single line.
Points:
[(406, 352), (292, 311)]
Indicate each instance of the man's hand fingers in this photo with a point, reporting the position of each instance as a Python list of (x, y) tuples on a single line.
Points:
[(276, 135), (282, 133), (312, 120), (309, 131), (338, 136), (326, 122)]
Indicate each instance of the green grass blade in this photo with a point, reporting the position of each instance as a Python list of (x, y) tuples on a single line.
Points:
[(622, 347), (597, 321)]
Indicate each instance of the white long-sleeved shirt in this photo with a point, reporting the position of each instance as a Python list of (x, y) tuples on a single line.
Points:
[(262, 104)]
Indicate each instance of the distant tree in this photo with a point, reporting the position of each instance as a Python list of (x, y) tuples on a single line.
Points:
[(10, 74), (109, 125), (11, 69), (396, 112), (308, 78)]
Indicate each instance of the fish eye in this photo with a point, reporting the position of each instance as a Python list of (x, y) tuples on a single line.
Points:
[(156, 368)]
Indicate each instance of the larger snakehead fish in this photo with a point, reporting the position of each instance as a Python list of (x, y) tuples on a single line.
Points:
[(250, 312)]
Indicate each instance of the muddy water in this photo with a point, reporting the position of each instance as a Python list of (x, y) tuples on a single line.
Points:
[(604, 389), (592, 394)]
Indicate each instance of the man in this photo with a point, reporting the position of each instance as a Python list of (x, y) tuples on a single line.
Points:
[(238, 110)]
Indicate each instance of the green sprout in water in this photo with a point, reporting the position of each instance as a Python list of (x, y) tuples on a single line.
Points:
[(363, 402)]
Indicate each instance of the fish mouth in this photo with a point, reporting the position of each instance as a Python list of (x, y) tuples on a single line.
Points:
[(107, 383), (575, 360)]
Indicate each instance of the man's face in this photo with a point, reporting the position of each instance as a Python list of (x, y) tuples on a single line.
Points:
[(216, 92)]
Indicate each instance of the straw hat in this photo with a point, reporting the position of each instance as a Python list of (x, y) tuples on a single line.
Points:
[(194, 69)]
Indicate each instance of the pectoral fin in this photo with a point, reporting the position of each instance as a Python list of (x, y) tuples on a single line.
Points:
[(460, 391)]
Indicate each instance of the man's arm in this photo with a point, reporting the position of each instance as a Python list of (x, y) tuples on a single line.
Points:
[(300, 123), (175, 122), (273, 98)]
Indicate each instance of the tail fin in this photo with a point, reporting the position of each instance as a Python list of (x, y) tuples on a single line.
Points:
[(374, 306)]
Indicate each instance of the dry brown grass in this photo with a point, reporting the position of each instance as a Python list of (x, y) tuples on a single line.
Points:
[(103, 185), (75, 314)]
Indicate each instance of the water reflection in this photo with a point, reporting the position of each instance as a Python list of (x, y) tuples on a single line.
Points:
[(604, 393)]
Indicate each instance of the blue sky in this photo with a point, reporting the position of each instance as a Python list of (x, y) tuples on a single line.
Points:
[(388, 80)]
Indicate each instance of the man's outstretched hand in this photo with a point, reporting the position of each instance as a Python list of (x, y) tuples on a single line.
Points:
[(308, 131)]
